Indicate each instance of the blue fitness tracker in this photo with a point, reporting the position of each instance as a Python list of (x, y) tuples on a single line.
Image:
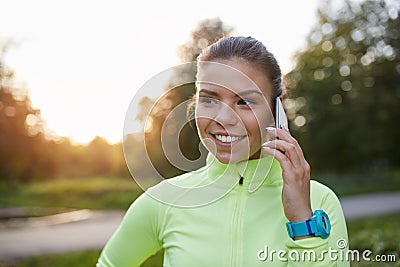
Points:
[(317, 225)]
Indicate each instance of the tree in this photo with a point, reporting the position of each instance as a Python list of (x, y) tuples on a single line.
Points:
[(207, 32), (21, 131), (100, 152), (345, 93)]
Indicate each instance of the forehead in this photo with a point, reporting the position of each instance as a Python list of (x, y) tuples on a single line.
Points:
[(236, 75)]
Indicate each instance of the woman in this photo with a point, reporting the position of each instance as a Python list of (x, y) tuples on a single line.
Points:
[(264, 209)]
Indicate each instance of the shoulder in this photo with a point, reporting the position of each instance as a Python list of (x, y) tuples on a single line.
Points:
[(191, 189), (192, 178), (322, 195), (320, 188), (145, 203)]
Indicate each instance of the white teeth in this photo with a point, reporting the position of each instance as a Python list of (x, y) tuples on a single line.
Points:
[(227, 139)]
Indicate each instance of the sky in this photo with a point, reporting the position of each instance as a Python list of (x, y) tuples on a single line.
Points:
[(83, 61)]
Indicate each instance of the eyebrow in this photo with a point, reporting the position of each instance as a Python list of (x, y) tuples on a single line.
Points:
[(208, 92), (243, 93), (251, 91)]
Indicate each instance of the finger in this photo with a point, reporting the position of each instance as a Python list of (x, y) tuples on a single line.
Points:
[(288, 149), (278, 133), (284, 134), (290, 173), (286, 164), (292, 151)]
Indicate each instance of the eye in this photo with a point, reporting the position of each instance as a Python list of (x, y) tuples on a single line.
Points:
[(207, 100), (246, 102)]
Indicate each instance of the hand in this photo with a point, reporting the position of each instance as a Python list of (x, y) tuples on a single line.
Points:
[(295, 173)]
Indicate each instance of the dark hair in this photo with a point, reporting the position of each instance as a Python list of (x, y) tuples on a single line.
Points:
[(249, 49)]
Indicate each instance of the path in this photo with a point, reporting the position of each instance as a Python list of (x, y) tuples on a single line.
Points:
[(85, 229), (367, 205)]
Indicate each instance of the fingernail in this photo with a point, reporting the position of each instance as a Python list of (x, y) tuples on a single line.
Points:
[(266, 143), (270, 129)]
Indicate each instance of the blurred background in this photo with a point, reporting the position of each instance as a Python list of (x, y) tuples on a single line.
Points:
[(68, 71)]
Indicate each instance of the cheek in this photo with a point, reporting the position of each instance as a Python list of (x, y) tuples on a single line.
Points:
[(202, 125), (253, 122)]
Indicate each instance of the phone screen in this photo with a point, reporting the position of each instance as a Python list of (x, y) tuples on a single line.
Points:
[(281, 120)]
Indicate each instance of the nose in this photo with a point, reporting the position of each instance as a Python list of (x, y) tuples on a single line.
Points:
[(226, 116)]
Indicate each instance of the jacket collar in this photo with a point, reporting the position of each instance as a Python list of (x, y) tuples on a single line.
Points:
[(264, 171)]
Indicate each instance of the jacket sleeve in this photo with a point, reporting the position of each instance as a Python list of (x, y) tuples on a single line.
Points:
[(137, 237), (315, 251)]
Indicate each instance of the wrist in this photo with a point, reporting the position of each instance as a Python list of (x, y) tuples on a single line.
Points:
[(301, 216)]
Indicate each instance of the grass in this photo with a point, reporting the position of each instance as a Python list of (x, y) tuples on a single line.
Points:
[(76, 259), (380, 234), (354, 184), (82, 258), (88, 193)]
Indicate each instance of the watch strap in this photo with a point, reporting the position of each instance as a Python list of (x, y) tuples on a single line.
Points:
[(318, 225), (305, 228)]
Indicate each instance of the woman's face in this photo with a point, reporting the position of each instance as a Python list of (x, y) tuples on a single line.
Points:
[(232, 108)]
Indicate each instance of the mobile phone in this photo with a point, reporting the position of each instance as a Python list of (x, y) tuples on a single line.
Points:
[(281, 120)]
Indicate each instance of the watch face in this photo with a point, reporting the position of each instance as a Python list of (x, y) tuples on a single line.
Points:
[(323, 224)]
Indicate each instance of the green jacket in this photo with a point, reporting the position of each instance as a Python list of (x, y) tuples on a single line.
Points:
[(225, 222)]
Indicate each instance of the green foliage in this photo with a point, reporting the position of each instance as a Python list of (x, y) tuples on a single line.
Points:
[(380, 234), (96, 158), (353, 183), (21, 129), (344, 91)]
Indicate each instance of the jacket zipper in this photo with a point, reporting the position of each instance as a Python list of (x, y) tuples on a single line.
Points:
[(237, 224)]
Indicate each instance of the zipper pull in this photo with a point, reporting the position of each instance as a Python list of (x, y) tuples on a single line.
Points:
[(241, 180)]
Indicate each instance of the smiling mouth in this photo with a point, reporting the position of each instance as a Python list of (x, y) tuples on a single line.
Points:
[(227, 138)]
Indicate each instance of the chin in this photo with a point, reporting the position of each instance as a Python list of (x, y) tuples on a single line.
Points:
[(236, 157), (227, 158)]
